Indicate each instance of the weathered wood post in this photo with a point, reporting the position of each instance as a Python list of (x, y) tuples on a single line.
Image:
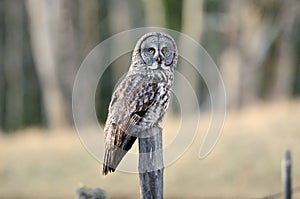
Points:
[(85, 192), (286, 175), (151, 167)]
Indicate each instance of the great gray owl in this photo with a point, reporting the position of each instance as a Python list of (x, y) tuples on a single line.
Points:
[(141, 99)]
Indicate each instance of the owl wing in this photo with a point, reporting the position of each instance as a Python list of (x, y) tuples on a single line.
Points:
[(135, 105)]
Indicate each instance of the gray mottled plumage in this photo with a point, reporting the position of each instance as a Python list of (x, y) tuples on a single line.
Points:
[(141, 99)]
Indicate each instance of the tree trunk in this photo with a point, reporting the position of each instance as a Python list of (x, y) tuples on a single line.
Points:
[(231, 58), (66, 51), (154, 13), (89, 26), (230, 68), (251, 35), (249, 42), (2, 89), (119, 20), (13, 66), (43, 51), (285, 68), (192, 18)]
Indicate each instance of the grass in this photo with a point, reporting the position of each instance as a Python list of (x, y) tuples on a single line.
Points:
[(246, 162)]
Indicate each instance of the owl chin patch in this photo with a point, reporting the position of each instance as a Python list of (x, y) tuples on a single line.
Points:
[(154, 66)]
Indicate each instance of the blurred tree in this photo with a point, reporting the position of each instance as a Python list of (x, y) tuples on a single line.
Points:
[(192, 22), (256, 42), (34, 111), (104, 89), (252, 44), (296, 51), (119, 20), (122, 15), (155, 15), (92, 29), (90, 22), (2, 89), (251, 33), (231, 60), (173, 14), (286, 66), (192, 18), (13, 64), (40, 12), (66, 48)]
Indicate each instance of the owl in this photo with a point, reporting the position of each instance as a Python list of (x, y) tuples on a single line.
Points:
[(141, 99)]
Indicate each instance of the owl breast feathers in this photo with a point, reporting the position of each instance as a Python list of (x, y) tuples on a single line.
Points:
[(141, 99)]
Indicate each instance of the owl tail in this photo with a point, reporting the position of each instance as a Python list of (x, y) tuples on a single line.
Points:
[(114, 154)]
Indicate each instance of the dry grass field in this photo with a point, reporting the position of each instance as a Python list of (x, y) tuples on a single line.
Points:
[(246, 162)]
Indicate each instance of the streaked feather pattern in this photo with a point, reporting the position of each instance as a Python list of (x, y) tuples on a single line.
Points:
[(139, 101)]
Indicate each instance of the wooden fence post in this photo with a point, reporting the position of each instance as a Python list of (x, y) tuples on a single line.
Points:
[(286, 175), (151, 168), (85, 192)]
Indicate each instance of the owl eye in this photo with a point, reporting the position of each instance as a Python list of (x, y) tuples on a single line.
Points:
[(151, 50), (164, 50)]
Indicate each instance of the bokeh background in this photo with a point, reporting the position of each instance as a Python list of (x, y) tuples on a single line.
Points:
[(255, 44)]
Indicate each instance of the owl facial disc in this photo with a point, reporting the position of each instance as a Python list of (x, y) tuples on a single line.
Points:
[(157, 49)]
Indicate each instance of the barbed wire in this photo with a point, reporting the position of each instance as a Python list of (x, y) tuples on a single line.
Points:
[(279, 194)]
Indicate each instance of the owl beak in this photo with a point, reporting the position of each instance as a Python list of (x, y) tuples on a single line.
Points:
[(158, 59)]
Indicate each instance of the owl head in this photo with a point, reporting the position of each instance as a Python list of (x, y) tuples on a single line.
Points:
[(155, 51)]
